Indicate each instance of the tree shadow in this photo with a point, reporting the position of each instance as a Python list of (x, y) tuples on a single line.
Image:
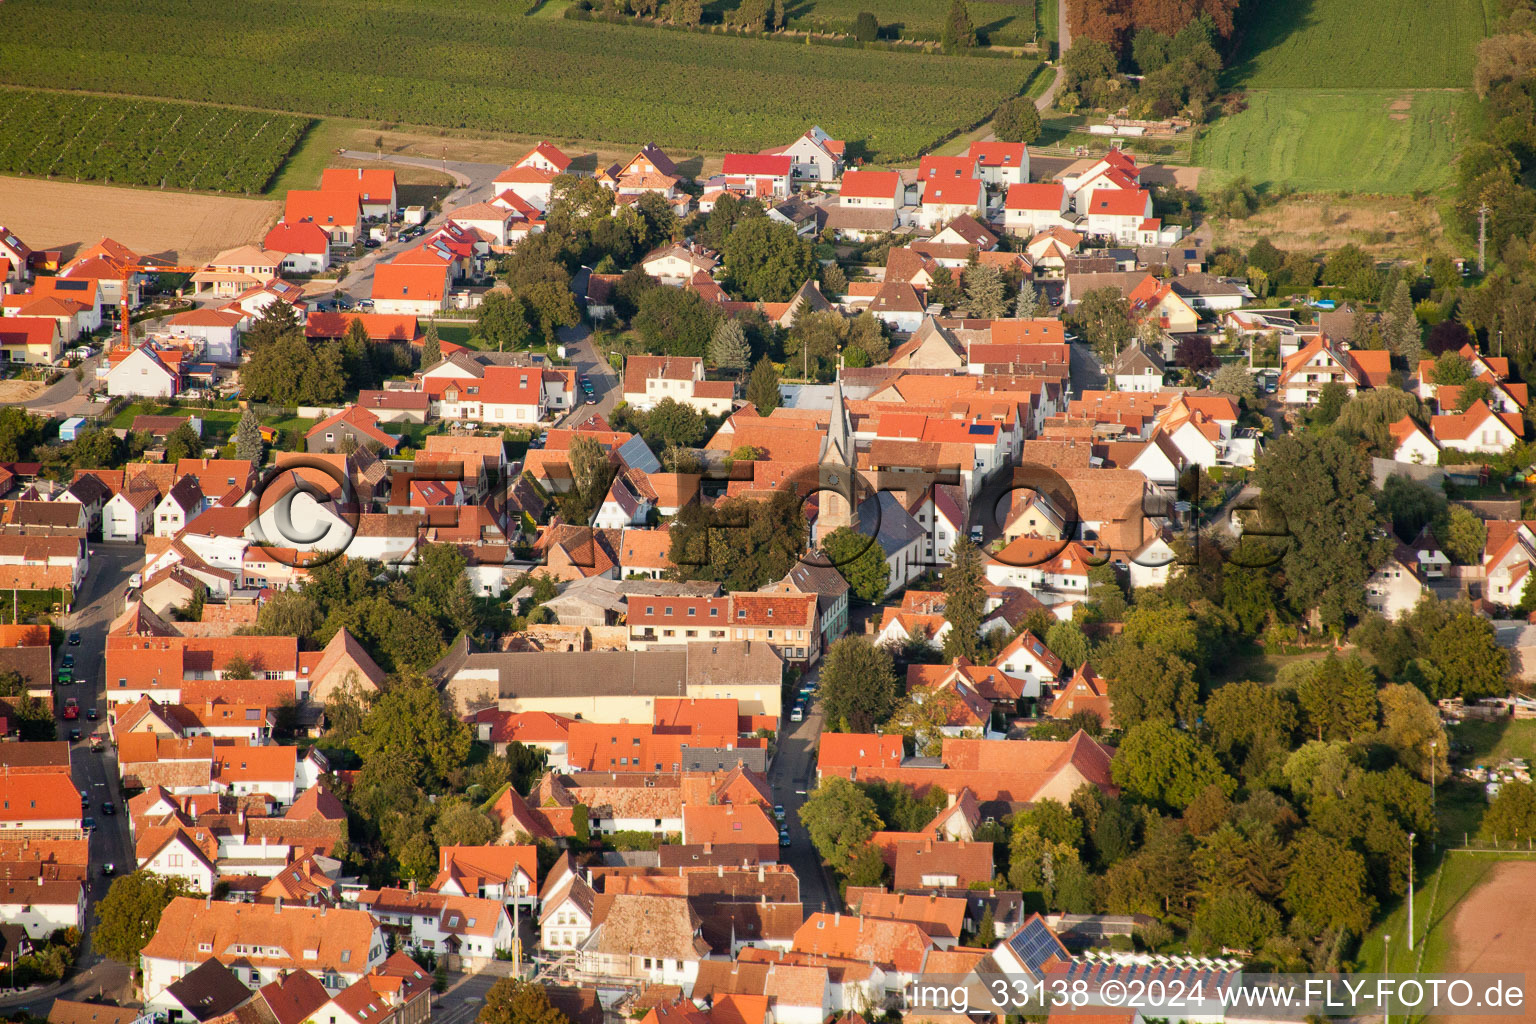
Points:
[(691, 167), (1265, 27)]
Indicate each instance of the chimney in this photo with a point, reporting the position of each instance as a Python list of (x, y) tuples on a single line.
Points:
[(208, 902), (760, 873), (277, 907), (837, 918), (412, 887)]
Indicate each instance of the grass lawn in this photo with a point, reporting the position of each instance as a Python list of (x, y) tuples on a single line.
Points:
[(484, 64), (999, 22), (1388, 44), (315, 152), (1361, 140), (1048, 20), (218, 424), (1258, 666)]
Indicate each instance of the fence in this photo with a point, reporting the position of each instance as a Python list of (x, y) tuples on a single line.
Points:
[(1525, 844)]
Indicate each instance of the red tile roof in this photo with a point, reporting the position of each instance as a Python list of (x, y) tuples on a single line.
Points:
[(871, 185), (757, 164), (372, 185), (405, 281), (304, 237), (336, 209), (1118, 202), (1040, 195)]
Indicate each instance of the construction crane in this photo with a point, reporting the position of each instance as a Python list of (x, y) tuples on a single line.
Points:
[(127, 278)]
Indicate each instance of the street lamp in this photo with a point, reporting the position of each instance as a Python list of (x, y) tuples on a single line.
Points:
[(1410, 892), (1434, 746), (1386, 968)]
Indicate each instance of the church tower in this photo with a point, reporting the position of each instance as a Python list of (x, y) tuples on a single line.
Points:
[(836, 470)]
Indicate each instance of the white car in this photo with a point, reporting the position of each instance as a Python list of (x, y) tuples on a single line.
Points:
[(135, 581), (797, 715)]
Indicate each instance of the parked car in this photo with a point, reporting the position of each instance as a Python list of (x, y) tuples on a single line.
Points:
[(796, 715), (74, 639), (71, 709), (783, 838), (135, 581), (108, 808), (90, 713), (74, 735), (109, 869), (68, 661), (778, 812), (85, 799), (88, 823), (372, 243)]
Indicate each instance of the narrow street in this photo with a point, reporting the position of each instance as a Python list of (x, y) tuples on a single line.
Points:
[(93, 977), (792, 776), (606, 386)]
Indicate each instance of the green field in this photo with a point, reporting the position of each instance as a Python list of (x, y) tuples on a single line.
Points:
[(998, 22), (1337, 140), (1388, 44), (480, 64), (143, 142)]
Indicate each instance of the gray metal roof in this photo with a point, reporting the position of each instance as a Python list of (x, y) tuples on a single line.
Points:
[(885, 519)]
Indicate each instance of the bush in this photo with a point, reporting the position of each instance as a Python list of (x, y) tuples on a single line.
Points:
[(866, 29)]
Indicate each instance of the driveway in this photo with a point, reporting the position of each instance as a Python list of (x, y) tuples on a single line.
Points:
[(792, 776), (100, 601)]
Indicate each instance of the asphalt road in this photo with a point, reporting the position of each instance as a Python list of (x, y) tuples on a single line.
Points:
[(94, 977), (792, 776), (605, 382), (1086, 370), (463, 1000)]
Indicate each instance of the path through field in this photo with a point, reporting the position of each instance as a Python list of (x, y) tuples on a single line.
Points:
[(63, 215)]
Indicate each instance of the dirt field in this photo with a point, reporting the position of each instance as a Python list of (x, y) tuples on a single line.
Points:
[(1494, 929), (63, 215), (18, 390), (1384, 226)]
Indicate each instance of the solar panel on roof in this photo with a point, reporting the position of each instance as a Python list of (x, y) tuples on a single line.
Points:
[(1190, 254), (978, 428), (64, 284), (1034, 945)]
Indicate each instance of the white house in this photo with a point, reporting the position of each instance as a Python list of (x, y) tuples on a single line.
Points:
[(1001, 164), (1026, 657), (676, 264), (1117, 214), (142, 373), (944, 200), (42, 905), (305, 246), (217, 331), (758, 175), (1031, 208), (179, 506), (816, 156), (178, 856), (466, 926), (1414, 445), (1479, 429), (130, 513), (416, 289), (1137, 368), (565, 908), (649, 379), (1396, 587)]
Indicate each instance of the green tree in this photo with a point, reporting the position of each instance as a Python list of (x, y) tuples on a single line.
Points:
[(276, 320), (515, 1001), (675, 321), (986, 292), (867, 867), (550, 306), (958, 32), (1410, 726), (1103, 318), (964, 600), (1327, 885), (290, 371), (248, 443), (1265, 256), (1235, 919), (763, 387), (183, 443), (840, 818), (767, 261), (1468, 658), (1451, 369), (502, 319), (1235, 380), (866, 29), (1066, 641), (592, 473), (128, 916), (289, 613), (834, 283), (1165, 765), (1512, 814), (945, 290), (431, 347), (357, 358), (861, 561), (1401, 329), (859, 689), (742, 543), (461, 823), (1463, 536), (1370, 415), (1147, 683), (409, 735), (1026, 306), (1251, 726), (1338, 698), (1317, 488), (1017, 121), (1471, 393), (728, 348), (671, 422)]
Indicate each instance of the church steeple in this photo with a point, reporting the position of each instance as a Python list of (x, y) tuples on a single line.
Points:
[(836, 470)]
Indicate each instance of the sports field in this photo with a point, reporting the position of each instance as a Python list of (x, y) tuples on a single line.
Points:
[(1360, 140), (483, 64)]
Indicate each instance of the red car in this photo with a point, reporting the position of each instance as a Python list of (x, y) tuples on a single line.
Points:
[(71, 709)]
